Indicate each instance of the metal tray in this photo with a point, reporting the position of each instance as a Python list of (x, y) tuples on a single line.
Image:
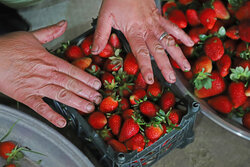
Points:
[(41, 138), (233, 124)]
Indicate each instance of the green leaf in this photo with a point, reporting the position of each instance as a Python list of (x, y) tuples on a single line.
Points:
[(203, 37), (9, 131), (240, 74), (222, 32)]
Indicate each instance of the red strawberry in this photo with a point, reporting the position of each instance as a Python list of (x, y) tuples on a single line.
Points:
[(173, 63), (243, 12), (86, 45), (220, 10), (246, 120), (82, 63), (128, 130), (244, 63), (136, 96), (208, 17), (229, 45), (247, 91), (185, 2), (97, 60), (195, 33), (106, 134), (164, 128), (187, 51), (236, 92), (148, 108), (214, 85), (150, 143), (217, 25), (108, 104), (117, 146), (108, 80), (175, 116), (154, 132), (244, 30), (192, 17), (108, 51), (6, 148), (221, 104), (94, 69), (167, 7), (136, 143), (124, 103), (127, 114), (178, 17), (233, 32), (114, 41), (112, 65), (140, 83), (214, 48), (115, 122), (167, 101), (126, 90), (224, 65), (154, 91), (242, 50), (97, 120), (130, 64), (188, 74), (203, 62), (10, 165), (73, 52)]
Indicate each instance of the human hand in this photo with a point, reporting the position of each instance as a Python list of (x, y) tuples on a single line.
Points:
[(143, 26), (29, 73)]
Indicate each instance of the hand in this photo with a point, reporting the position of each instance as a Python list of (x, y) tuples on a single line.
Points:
[(29, 73), (142, 25)]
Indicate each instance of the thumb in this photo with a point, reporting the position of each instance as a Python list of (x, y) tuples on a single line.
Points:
[(47, 34)]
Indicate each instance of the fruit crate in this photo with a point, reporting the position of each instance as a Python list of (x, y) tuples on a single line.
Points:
[(177, 138)]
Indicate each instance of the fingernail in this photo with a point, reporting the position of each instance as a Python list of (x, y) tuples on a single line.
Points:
[(150, 78), (186, 65), (191, 42), (97, 84), (61, 123), (90, 107), (172, 77), (98, 99), (94, 49), (61, 23)]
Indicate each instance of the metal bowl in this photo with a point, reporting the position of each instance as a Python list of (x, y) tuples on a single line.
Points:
[(233, 124), (41, 138)]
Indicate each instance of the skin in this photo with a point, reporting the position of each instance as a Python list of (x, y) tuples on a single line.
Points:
[(29, 73), (142, 24)]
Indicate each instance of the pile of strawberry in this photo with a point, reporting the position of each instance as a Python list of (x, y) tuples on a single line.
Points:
[(220, 58), (132, 115)]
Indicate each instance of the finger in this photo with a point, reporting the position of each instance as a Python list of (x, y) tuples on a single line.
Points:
[(66, 97), (176, 53), (161, 58), (47, 34), (142, 55), (102, 32), (76, 87), (174, 30), (38, 105)]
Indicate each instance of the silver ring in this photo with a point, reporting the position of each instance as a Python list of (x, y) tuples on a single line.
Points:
[(163, 35)]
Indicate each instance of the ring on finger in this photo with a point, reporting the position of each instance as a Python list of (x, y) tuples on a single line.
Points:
[(163, 35)]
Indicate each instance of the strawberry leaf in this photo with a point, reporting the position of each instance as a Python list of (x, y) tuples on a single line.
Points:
[(202, 79), (240, 74), (221, 32)]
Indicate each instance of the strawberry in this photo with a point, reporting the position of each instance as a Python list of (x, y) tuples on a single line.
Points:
[(221, 104), (195, 33), (136, 96), (114, 41), (178, 17), (207, 17), (244, 30), (233, 32), (117, 146), (113, 65), (7, 148), (127, 114), (167, 101), (188, 74), (236, 91), (230, 45), (128, 130), (154, 132), (124, 103), (243, 12), (97, 120), (136, 143), (97, 60), (106, 134), (240, 74), (168, 6), (108, 104), (175, 116), (93, 69), (154, 91), (173, 63), (108, 51), (148, 108), (243, 50), (246, 120), (108, 80), (126, 90), (150, 143), (187, 51), (73, 52), (213, 48), (247, 91), (185, 2), (130, 64), (82, 63), (220, 10), (86, 45), (245, 64), (192, 17), (207, 85), (115, 122), (217, 25), (203, 62), (140, 83), (224, 65)]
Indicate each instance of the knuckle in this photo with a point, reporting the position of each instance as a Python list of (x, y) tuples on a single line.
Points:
[(158, 49), (143, 52), (63, 94), (170, 41)]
